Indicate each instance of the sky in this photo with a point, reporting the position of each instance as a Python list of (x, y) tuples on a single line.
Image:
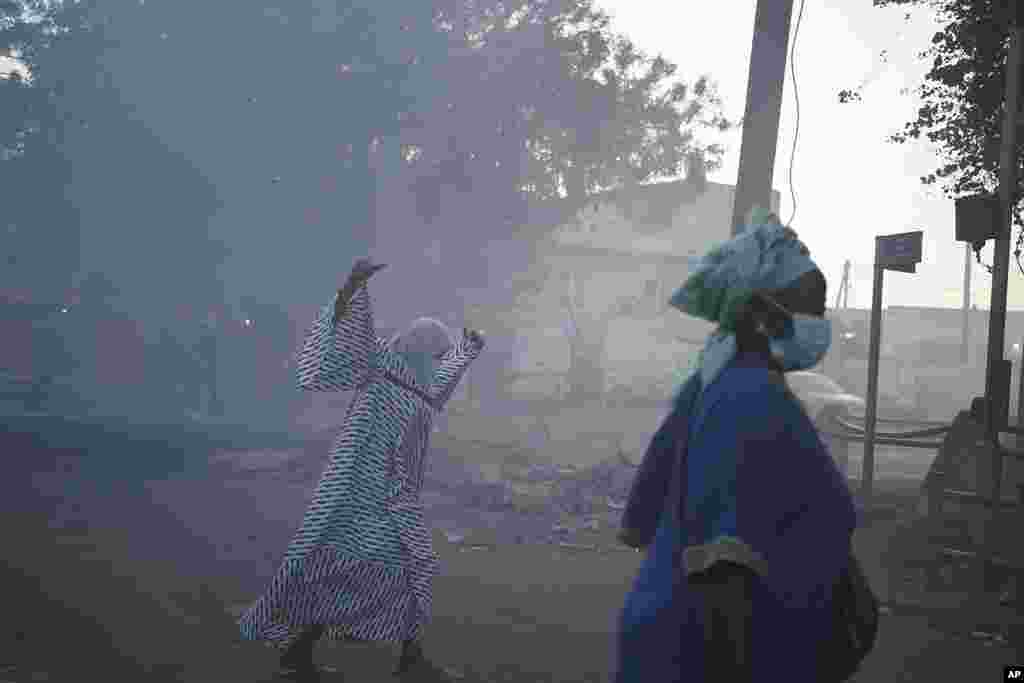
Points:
[(850, 183), (7, 65)]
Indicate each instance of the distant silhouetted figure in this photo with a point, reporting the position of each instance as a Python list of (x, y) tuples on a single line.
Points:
[(207, 351)]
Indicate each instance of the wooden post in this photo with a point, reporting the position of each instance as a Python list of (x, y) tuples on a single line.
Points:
[(768, 56), (1017, 440), (846, 285), (1000, 273)]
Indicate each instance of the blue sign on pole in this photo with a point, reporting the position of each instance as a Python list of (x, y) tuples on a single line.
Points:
[(899, 252), (892, 252)]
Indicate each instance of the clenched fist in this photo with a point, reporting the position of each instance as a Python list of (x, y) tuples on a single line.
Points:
[(362, 271), (474, 338)]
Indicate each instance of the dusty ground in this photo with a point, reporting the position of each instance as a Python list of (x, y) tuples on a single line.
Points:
[(128, 571)]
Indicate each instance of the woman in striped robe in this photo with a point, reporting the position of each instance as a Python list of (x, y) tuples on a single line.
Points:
[(361, 565)]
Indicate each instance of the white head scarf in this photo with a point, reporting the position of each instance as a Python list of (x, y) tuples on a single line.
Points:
[(421, 346)]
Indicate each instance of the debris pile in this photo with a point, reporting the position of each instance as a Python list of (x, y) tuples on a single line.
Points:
[(526, 502)]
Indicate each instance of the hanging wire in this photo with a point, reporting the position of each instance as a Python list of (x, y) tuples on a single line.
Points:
[(796, 97)]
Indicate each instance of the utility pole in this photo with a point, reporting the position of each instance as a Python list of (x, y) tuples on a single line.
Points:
[(1007, 187), (1000, 274), (1001, 257), (768, 56), (965, 331), (843, 295), (846, 289), (835, 353), (1017, 440), (839, 294)]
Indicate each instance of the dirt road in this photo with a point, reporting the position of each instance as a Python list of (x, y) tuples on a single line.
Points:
[(138, 577)]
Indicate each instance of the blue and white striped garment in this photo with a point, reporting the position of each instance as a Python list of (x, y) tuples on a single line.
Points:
[(362, 563)]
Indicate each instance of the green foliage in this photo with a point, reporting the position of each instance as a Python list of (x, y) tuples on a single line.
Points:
[(485, 107), (86, 187), (962, 97), (27, 29), (545, 104), (543, 101), (33, 163), (503, 103)]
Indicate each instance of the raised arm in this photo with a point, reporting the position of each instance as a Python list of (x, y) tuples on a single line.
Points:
[(340, 349), (453, 366)]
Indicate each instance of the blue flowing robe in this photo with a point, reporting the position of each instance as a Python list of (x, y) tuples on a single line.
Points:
[(752, 474)]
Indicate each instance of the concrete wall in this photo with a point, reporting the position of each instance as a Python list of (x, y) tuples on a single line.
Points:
[(620, 223), (612, 254), (947, 387)]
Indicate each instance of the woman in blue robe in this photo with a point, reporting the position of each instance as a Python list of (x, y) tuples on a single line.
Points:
[(745, 517)]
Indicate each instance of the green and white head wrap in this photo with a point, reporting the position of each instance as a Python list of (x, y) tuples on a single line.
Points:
[(766, 256)]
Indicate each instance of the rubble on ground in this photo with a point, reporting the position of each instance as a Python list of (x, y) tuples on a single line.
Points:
[(520, 499), (526, 502)]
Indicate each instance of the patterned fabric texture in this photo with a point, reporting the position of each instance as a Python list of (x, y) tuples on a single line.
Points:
[(362, 563), (767, 256)]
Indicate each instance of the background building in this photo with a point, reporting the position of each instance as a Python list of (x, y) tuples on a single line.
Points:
[(601, 309), (921, 351)]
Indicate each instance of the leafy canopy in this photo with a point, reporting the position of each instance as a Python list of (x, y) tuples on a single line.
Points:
[(962, 98)]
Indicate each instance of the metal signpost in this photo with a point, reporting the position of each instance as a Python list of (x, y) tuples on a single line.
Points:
[(965, 335), (1018, 442), (901, 252)]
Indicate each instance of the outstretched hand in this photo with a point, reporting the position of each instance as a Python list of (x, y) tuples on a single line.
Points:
[(474, 337), (362, 271)]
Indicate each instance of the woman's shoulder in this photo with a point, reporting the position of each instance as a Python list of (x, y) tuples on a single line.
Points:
[(752, 380), (753, 391)]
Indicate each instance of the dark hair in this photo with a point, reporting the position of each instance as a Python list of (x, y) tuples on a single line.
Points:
[(806, 295)]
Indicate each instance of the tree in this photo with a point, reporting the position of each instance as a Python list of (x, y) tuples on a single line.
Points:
[(617, 118), (90, 194), (962, 98), (475, 108), (39, 252), (544, 109), (27, 29), (480, 110), (544, 102)]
